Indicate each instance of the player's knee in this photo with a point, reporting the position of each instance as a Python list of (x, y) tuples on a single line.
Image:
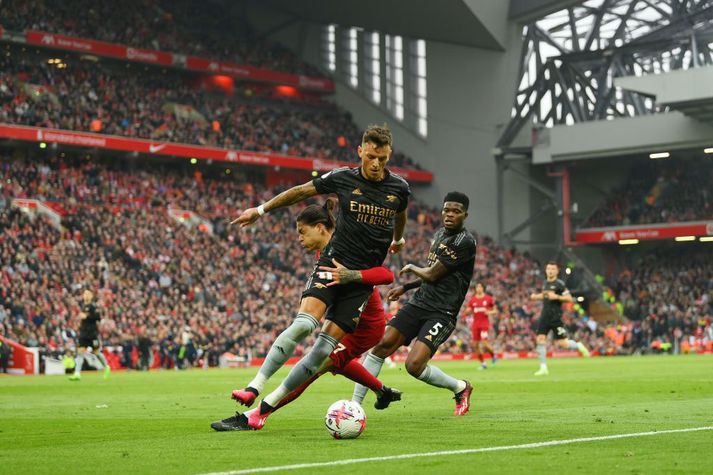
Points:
[(415, 368), (313, 306), (301, 327)]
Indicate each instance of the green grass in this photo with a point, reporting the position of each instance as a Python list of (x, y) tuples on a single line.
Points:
[(158, 422)]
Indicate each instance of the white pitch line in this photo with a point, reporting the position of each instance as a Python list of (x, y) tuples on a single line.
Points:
[(532, 445)]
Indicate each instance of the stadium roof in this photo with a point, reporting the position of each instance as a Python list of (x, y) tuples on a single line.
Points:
[(571, 59), (689, 91), (477, 23)]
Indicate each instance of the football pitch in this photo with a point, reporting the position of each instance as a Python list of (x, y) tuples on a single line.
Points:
[(601, 415)]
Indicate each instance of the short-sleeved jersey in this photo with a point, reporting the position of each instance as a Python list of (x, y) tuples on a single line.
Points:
[(456, 251), (365, 224), (88, 326), (552, 309), (480, 306)]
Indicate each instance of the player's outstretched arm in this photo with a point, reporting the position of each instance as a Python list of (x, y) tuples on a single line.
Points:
[(377, 276), (426, 274), (341, 275), (286, 198)]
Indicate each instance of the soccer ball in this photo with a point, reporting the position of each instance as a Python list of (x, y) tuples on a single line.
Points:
[(345, 419)]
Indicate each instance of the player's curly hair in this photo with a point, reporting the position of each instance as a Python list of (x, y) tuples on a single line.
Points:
[(458, 197), (379, 135), (313, 215)]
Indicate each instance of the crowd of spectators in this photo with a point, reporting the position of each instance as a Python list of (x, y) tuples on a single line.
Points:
[(204, 29), (659, 192), (669, 296), (109, 98), (152, 274), (195, 295)]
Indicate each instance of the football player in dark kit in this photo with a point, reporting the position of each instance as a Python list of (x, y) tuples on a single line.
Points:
[(554, 292), (89, 346), (431, 314), (371, 223)]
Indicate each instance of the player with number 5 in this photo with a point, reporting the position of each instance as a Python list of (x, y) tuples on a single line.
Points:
[(430, 316)]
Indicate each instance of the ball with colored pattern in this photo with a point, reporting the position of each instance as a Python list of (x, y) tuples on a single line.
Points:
[(345, 419)]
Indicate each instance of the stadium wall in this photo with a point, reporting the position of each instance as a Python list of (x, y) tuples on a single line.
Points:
[(469, 96)]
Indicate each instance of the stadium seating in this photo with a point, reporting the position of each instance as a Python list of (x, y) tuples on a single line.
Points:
[(173, 26), (659, 192), (108, 98), (157, 276)]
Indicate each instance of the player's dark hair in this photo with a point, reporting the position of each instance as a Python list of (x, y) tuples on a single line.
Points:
[(552, 263), (379, 135), (313, 215), (485, 287), (458, 197)]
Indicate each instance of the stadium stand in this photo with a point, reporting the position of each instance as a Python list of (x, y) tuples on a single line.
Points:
[(174, 26), (659, 192), (184, 287), (109, 98)]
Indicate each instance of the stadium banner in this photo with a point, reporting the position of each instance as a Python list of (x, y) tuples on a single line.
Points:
[(31, 206), (119, 51), (250, 73), (23, 360), (99, 48), (152, 147), (646, 232)]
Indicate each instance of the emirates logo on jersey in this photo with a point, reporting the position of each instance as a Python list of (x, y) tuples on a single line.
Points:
[(448, 251)]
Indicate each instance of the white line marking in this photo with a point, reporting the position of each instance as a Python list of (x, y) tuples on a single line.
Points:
[(532, 445)]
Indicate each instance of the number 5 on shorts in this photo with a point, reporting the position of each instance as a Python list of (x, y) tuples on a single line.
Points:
[(436, 328)]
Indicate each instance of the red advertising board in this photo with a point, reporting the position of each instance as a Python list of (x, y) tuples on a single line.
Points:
[(118, 51), (259, 75), (644, 232), (23, 360), (113, 142), (99, 48)]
